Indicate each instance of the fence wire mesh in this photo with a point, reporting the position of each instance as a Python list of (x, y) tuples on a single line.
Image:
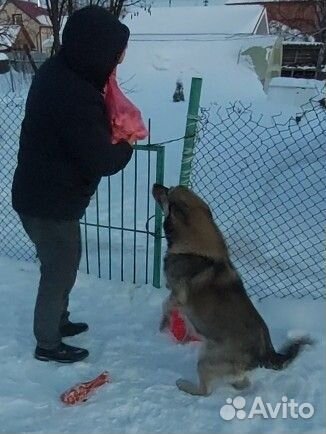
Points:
[(120, 238), (13, 241), (264, 178)]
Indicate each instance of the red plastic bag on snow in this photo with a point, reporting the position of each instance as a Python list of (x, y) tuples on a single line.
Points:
[(125, 118)]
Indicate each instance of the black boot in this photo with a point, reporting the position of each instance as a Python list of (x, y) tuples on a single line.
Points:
[(73, 329), (63, 354)]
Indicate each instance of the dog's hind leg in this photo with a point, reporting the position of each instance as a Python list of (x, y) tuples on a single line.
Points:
[(208, 374)]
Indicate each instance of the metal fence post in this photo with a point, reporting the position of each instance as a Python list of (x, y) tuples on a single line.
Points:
[(158, 222), (189, 141)]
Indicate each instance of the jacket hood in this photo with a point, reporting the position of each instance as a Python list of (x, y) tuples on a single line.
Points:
[(92, 41)]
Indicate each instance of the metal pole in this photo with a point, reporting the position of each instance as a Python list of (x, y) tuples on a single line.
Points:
[(158, 222), (189, 142)]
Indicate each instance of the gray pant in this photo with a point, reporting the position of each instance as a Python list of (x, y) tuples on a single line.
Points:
[(58, 246)]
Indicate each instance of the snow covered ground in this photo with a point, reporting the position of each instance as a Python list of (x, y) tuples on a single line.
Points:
[(123, 318), (144, 365)]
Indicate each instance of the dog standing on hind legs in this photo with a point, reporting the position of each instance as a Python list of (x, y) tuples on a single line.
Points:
[(209, 292)]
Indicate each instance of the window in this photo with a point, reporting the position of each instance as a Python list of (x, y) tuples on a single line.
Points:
[(17, 19)]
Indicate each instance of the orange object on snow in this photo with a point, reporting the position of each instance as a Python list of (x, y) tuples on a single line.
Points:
[(179, 329), (81, 391), (126, 120)]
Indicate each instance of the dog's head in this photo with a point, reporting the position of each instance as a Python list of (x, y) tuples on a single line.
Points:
[(188, 221), (179, 200)]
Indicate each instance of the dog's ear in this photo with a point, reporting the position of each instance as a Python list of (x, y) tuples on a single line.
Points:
[(165, 207), (160, 194), (179, 210)]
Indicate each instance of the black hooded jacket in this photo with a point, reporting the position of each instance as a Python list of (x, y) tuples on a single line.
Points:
[(65, 144)]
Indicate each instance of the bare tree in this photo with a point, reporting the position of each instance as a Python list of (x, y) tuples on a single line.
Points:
[(57, 9), (116, 7), (5, 30)]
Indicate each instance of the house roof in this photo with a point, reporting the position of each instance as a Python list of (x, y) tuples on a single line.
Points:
[(8, 36), (44, 20), (31, 9), (180, 21)]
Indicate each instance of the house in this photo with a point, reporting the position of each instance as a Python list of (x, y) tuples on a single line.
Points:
[(15, 44), (297, 22), (296, 14), (215, 20), (14, 38), (33, 18)]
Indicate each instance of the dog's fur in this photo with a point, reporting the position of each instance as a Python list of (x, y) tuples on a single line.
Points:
[(208, 290)]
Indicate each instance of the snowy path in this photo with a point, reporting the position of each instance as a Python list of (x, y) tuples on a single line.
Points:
[(144, 365)]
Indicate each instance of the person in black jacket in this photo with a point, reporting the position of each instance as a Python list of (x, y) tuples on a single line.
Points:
[(64, 151)]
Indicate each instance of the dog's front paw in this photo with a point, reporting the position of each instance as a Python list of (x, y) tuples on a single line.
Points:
[(187, 386), (182, 384)]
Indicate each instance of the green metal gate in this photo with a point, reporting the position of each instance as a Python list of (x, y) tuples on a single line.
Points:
[(122, 228)]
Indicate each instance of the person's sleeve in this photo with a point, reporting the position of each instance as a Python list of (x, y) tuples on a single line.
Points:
[(87, 141)]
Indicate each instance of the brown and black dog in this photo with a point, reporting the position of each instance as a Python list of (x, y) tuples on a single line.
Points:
[(208, 290)]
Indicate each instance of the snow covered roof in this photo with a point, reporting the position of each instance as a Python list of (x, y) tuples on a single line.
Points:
[(8, 35), (44, 20), (213, 20)]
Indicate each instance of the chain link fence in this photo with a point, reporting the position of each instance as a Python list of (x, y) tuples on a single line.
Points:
[(121, 231), (13, 241), (264, 178)]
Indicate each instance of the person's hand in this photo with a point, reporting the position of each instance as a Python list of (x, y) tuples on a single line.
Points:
[(131, 140)]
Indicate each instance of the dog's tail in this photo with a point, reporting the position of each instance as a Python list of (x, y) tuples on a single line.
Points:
[(287, 354)]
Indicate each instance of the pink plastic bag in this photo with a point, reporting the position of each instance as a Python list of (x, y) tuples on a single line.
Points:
[(125, 118)]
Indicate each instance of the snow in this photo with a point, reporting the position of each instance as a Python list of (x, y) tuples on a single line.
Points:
[(265, 183), (44, 20), (183, 3), (123, 318), (302, 83), (214, 20), (164, 60), (144, 364), (15, 83), (288, 33), (298, 91), (3, 57)]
